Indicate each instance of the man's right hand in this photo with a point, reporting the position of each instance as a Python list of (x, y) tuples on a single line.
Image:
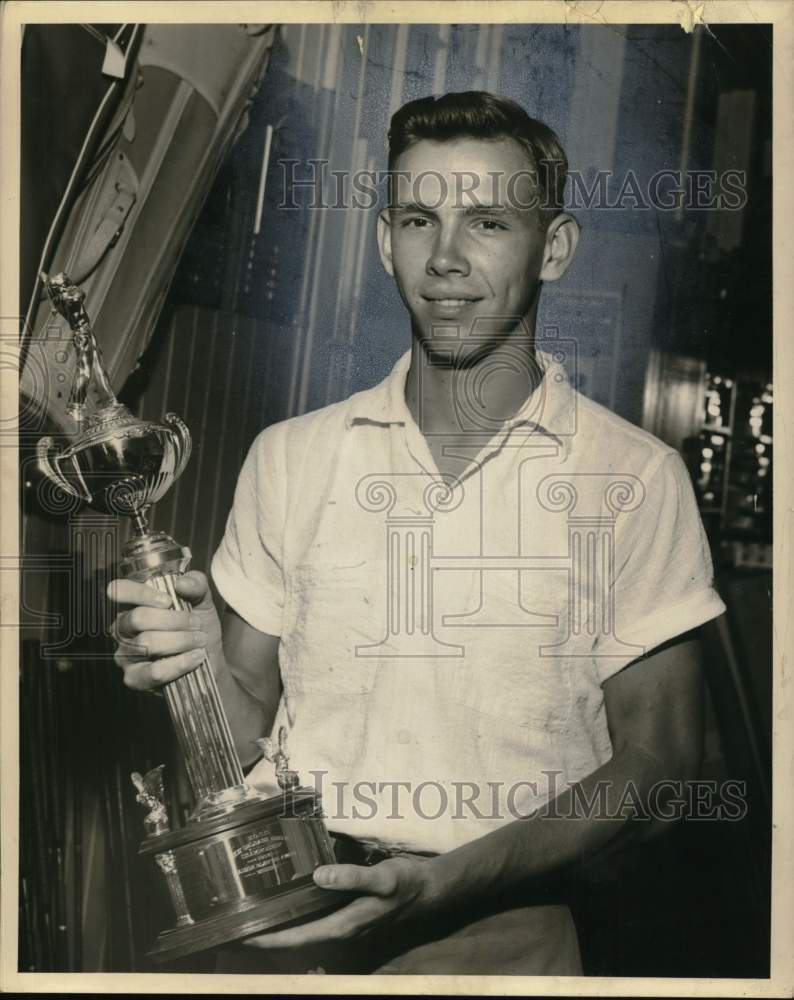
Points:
[(156, 644)]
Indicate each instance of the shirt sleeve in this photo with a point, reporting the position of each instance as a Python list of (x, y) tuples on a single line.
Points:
[(247, 568), (662, 582)]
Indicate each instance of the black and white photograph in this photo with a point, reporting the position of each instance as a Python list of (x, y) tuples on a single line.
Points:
[(395, 560)]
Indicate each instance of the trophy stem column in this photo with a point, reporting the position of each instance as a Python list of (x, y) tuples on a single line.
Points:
[(196, 709), (211, 760)]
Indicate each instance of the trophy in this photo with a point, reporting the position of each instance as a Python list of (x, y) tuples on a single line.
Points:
[(243, 862)]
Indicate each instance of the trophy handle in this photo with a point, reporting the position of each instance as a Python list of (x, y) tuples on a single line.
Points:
[(45, 450), (182, 440)]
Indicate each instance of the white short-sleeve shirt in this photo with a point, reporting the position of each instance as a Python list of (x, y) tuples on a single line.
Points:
[(444, 643)]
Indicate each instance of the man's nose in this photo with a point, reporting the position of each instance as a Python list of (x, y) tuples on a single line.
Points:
[(448, 254)]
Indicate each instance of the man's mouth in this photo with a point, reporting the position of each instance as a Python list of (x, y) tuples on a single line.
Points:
[(449, 301)]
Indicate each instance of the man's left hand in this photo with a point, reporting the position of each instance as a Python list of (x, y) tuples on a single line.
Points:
[(391, 890)]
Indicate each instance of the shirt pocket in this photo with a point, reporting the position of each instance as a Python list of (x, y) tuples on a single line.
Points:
[(515, 673), (329, 613)]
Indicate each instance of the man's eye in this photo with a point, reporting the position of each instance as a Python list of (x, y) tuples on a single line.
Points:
[(490, 225), (417, 222)]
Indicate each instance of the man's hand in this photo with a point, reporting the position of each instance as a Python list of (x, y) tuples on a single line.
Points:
[(156, 644), (392, 890)]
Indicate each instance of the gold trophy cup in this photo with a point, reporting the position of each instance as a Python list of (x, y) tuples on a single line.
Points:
[(243, 862)]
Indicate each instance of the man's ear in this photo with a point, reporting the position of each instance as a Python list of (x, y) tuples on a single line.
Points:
[(384, 240), (562, 237)]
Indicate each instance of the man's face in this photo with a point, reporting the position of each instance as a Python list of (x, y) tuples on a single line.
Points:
[(457, 240)]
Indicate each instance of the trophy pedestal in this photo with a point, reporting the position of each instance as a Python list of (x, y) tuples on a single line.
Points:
[(242, 863), (244, 872)]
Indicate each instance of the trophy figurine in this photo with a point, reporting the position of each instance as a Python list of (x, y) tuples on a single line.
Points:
[(243, 862)]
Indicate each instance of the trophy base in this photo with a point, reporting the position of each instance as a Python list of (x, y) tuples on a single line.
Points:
[(252, 917), (243, 872)]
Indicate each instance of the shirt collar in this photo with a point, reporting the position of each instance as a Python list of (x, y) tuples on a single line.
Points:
[(549, 410), (385, 402)]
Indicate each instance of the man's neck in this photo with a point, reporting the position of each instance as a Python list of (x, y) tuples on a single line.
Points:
[(447, 399)]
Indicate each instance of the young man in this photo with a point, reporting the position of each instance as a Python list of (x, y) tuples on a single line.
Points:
[(519, 637)]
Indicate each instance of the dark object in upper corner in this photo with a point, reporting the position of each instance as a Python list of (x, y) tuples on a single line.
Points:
[(115, 169)]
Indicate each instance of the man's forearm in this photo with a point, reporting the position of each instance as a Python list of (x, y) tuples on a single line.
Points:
[(654, 710), (249, 716), (529, 851)]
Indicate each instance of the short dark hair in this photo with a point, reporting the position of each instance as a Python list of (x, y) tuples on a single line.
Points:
[(479, 115)]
